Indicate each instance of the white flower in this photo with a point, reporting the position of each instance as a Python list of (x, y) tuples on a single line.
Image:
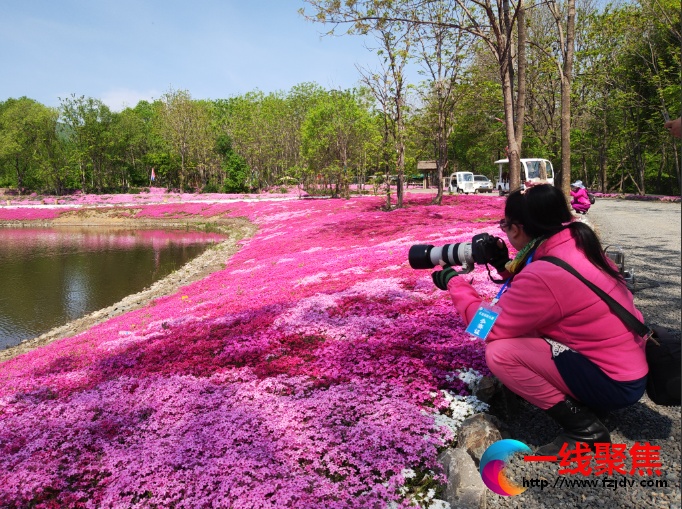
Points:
[(461, 407), (471, 377), (408, 473)]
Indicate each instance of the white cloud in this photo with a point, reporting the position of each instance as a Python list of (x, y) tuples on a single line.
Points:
[(120, 98)]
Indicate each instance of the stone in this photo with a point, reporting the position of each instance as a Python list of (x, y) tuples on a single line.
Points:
[(477, 433), (486, 388), (504, 402), (469, 498), (465, 488)]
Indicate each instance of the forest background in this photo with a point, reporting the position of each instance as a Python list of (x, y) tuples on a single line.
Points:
[(625, 84)]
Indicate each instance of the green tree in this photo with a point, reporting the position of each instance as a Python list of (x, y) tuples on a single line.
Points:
[(25, 126), (235, 170), (184, 124), (333, 137), (87, 125)]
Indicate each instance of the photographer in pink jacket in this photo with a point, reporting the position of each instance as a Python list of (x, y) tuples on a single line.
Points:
[(555, 343)]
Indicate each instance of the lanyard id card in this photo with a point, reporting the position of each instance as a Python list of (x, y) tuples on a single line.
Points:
[(487, 314), (484, 319)]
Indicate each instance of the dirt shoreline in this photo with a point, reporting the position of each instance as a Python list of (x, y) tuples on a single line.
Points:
[(211, 260)]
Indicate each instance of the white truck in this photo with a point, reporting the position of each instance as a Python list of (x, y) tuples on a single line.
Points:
[(531, 170), (462, 182)]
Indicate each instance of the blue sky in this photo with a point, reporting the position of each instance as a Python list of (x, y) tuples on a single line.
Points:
[(124, 51)]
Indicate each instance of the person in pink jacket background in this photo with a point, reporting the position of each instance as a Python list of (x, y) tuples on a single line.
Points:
[(556, 343), (580, 201)]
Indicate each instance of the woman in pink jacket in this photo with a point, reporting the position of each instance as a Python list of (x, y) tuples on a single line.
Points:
[(555, 342), (580, 201)]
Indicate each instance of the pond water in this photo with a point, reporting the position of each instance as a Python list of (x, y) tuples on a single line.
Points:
[(50, 276)]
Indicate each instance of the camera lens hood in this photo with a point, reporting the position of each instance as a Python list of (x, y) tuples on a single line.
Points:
[(420, 256)]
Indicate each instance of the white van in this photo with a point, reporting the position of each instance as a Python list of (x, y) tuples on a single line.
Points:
[(530, 171), (462, 182)]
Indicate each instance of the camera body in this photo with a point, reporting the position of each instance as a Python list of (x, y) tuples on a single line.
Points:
[(481, 250)]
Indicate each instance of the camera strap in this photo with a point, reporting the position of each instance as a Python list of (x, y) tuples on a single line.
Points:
[(496, 281), (627, 318), (508, 281)]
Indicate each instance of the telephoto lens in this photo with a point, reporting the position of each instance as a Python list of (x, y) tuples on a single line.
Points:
[(426, 256), (482, 249)]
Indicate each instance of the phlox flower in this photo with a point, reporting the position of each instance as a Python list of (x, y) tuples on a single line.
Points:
[(317, 370)]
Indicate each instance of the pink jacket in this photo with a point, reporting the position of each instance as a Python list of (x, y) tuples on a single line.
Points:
[(545, 300), (580, 196)]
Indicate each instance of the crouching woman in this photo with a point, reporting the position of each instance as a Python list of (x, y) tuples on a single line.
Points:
[(555, 342)]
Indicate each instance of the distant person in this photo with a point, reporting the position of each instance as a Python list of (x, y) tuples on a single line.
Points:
[(580, 201), (674, 127)]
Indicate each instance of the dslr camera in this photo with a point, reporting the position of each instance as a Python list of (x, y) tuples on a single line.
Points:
[(481, 250)]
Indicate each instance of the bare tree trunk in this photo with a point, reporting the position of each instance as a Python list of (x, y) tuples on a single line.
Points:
[(521, 78), (80, 163), (660, 169), (182, 171), (401, 175), (602, 162), (388, 187), (441, 156), (512, 149), (642, 167), (566, 81), (507, 24), (602, 173), (401, 156), (585, 175), (677, 168), (20, 176)]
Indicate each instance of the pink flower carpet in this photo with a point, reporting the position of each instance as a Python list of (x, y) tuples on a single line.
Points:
[(317, 370)]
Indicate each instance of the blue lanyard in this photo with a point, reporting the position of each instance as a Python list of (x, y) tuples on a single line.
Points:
[(506, 283)]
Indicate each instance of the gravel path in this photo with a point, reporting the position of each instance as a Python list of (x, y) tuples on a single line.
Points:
[(650, 235)]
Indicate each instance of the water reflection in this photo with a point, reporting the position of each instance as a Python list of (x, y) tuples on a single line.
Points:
[(49, 276)]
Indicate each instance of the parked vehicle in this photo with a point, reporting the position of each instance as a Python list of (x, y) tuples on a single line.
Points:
[(482, 184), (462, 182), (531, 170)]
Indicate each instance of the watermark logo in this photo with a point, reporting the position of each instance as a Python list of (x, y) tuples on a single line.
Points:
[(494, 463)]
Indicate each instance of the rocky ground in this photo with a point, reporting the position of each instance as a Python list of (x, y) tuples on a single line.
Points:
[(649, 233)]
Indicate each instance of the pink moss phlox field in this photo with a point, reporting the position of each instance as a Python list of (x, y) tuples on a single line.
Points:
[(304, 375), (28, 214)]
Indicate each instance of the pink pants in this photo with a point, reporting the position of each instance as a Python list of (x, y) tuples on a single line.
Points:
[(580, 207), (526, 367)]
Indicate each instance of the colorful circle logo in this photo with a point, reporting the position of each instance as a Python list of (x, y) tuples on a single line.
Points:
[(493, 465)]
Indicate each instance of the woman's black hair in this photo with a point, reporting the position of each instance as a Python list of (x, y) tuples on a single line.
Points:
[(542, 211)]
